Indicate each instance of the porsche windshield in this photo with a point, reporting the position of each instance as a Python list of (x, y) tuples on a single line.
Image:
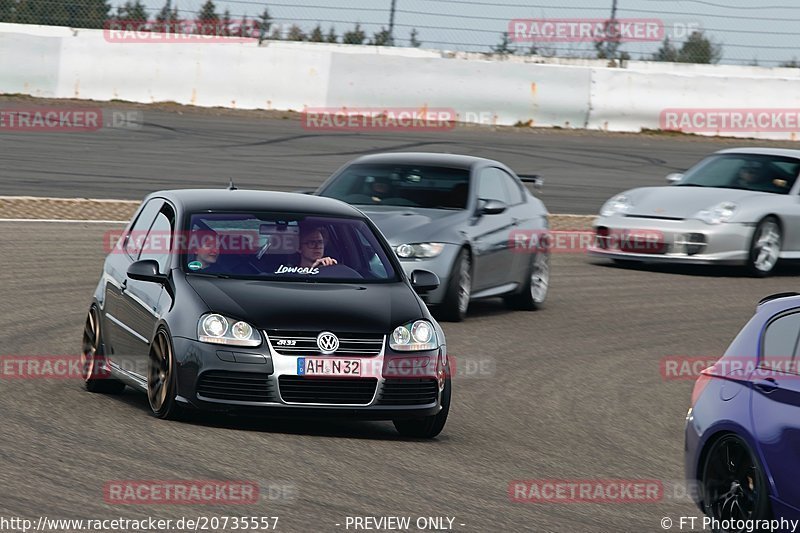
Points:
[(402, 185), (280, 246), (753, 172)]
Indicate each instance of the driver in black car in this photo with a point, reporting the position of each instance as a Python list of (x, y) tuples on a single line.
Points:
[(205, 251), (312, 248)]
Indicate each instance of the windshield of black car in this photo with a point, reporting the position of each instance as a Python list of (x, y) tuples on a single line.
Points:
[(752, 172), (285, 247), (432, 187)]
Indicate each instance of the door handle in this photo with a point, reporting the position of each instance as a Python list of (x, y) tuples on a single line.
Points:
[(767, 385)]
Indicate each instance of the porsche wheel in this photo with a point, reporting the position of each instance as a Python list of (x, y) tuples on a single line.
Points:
[(765, 248)]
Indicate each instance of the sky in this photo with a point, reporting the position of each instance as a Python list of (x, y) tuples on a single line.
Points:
[(760, 32)]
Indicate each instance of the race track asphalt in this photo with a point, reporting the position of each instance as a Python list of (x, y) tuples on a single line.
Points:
[(179, 147)]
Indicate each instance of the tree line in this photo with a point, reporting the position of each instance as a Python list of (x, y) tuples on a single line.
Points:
[(698, 48), (98, 14)]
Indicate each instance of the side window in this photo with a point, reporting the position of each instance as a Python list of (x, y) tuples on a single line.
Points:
[(514, 192), (158, 243), (135, 239), (491, 186), (781, 342), (375, 265)]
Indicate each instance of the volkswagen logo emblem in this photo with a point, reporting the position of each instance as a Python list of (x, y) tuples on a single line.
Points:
[(327, 342)]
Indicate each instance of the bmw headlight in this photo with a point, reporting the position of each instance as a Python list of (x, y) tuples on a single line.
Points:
[(423, 250), (414, 336), (618, 204), (718, 214), (217, 329)]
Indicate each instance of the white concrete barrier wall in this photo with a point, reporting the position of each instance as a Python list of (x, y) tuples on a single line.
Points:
[(65, 63), (624, 100), (489, 92)]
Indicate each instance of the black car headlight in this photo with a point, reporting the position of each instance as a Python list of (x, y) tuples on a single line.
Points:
[(414, 337), (217, 329)]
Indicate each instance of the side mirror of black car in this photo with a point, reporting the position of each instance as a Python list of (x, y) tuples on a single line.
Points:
[(424, 281), (491, 207), (146, 270)]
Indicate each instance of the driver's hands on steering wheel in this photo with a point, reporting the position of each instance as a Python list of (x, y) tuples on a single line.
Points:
[(324, 261)]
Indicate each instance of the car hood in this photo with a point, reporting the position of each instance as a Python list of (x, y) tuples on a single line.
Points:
[(300, 306), (406, 225), (684, 202)]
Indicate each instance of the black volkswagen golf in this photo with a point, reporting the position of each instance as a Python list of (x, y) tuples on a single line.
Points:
[(278, 302)]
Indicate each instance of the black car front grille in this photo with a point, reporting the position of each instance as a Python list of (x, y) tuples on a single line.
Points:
[(236, 386), (409, 392), (305, 343), (339, 391)]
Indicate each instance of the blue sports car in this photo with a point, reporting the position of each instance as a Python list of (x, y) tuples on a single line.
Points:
[(743, 429)]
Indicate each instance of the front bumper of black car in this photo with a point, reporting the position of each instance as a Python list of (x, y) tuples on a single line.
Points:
[(261, 380)]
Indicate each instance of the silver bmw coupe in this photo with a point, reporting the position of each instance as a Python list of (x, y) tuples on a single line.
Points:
[(739, 206)]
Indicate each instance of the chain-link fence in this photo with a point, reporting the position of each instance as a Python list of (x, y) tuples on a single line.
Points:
[(690, 31)]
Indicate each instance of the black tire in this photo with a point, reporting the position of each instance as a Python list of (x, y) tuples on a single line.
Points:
[(96, 376), (533, 294), (733, 483), (430, 426), (162, 382), (765, 246), (455, 304)]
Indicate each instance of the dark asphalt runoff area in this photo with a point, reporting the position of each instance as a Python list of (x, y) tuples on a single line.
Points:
[(573, 391), (180, 147)]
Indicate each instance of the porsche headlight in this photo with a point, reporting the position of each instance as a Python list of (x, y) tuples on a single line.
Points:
[(414, 336), (217, 329), (618, 204), (718, 214), (423, 250)]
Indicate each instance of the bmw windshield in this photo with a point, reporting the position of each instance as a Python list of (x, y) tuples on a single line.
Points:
[(401, 185), (284, 247), (752, 172)]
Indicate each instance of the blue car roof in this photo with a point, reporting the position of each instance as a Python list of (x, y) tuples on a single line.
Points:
[(778, 303)]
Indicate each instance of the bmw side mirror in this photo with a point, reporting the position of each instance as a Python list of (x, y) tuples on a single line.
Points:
[(491, 207), (673, 178), (146, 270), (424, 281)]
